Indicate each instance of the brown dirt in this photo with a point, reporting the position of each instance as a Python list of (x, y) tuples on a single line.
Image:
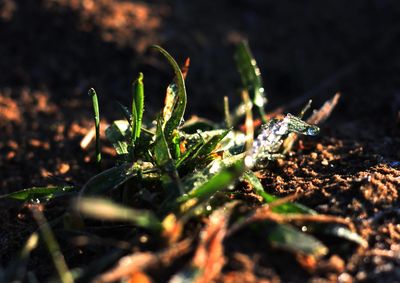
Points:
[(53, 51)]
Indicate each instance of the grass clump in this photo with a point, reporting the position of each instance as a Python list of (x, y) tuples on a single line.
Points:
[(170, 172)]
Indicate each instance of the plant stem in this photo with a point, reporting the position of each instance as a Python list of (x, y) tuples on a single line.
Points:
[(95, 103)]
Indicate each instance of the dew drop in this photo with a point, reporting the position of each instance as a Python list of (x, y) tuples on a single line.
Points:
[(143, 239), (312, 131), (249, 161)]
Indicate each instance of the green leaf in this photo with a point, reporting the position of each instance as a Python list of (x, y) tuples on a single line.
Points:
[(286, 237), (164, 159), (250, 177), (222, 179), (338, 231), (108, 180), (180, 102), (210, 145), (95, 103), (203, 135), (188, 153), (202, 153), (116, 134), (161, 149), (125, 112), (104, 209), (137, 107), (296, 125), (251, 76), (292, 137), (170, 101), (41, 193)]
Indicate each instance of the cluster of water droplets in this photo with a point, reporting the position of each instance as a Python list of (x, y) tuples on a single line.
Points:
[(269, 141)]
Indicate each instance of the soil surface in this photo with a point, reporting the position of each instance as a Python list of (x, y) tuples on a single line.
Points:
[(52, 52)]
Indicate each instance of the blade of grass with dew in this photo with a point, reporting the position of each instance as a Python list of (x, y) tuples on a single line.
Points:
[(199, 157), (225, 177), (125, 112), (251, 76), (165, 162), (103, 209), (172, 93), (170, 101), (338, 231), (209, 146), (292, 137), (127, 115), (116, 134), (137, 107), (41, 193), (252, 179), (296, 125), (108, 179), (267, 146), (317, 118), (286, 237), (188, 153), (16, 270), (95, 103), (53, 247), (203, 135), (198, 178), (181, 99)]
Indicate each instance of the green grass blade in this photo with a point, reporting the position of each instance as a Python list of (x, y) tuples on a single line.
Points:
[(128, 115), (103, 209), (116, 134), (251, 76), (125, 112), (200, 153), (180, 105), (210, 145), (189, 153), (225, 177), (252, 179), (289, 238), (108, 179), (41, 193), (338, 231), (137, 107), (95, 103), (161, 149), (292, 137), (296, 125), (164, 159)]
